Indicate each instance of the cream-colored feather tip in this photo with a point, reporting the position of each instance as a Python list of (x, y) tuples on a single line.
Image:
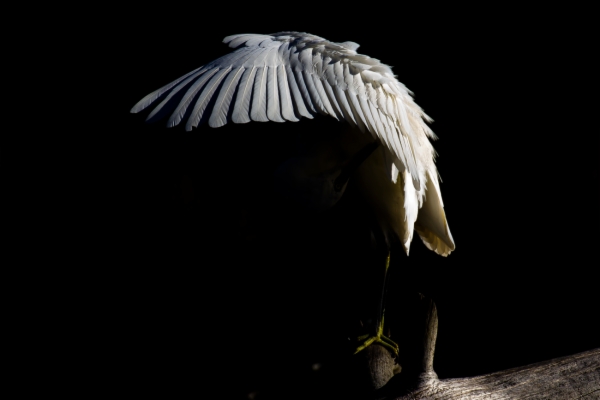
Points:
[(434, 243)]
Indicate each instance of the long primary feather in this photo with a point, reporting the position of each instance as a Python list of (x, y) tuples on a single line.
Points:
[(273, 110), (287, 109), (259, 96)]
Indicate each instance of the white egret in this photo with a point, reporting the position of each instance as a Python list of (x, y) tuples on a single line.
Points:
[(384, 147)]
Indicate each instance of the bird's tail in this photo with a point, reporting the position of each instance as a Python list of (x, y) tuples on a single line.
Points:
[(431, 223)]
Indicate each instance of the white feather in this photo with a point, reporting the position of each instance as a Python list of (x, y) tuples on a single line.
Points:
[(259, 96), (314, 94), (342, 102), (318, 84), (273, 111), (287, 110), (358, 114), (350, 45), (299, 78), (332, 100), (411, 207)]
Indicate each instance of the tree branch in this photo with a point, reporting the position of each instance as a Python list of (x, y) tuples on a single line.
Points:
[(572, 377)]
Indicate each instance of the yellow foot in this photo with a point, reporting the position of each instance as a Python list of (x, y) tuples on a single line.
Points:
[(383, 340)]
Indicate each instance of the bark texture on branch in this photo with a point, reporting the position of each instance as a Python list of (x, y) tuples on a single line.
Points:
[(572, 377), (373, 368)]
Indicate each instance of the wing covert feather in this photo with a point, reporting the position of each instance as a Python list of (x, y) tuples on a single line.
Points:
[(332, 100), (323, 96)]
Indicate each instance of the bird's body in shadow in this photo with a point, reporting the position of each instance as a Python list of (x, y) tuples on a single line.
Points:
[(308, 182)]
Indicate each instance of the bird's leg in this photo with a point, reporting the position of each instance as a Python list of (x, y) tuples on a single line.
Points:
[(377, 336)]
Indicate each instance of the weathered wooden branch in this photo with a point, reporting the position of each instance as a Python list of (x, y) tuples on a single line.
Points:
[(572, 377)]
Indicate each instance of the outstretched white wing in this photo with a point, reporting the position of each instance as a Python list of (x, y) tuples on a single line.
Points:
[(289, 75)]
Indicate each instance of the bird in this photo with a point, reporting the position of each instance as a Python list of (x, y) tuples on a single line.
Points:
[(383, 143)]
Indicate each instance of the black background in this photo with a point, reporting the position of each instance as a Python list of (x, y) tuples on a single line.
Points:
[(210, 286)]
